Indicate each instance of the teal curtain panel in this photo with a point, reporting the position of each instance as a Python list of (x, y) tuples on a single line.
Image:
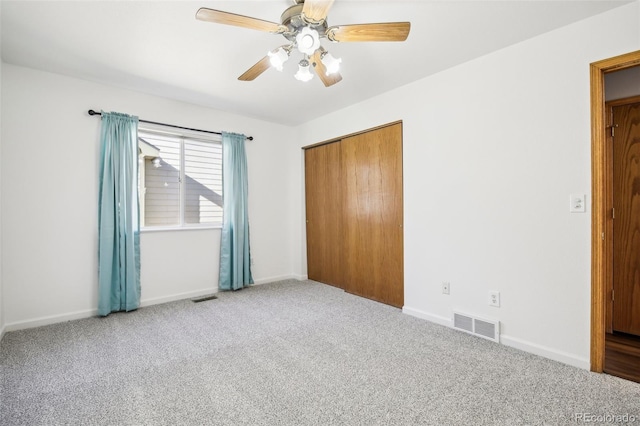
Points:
[(235, 258), (119, 220)]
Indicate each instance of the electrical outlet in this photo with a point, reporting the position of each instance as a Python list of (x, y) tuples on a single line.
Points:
[(494, 298), (446, 288)]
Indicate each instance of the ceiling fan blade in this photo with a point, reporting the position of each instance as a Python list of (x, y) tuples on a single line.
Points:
[(220, 17), (261, 66), (387, 31), (315, 11), (321, 70)]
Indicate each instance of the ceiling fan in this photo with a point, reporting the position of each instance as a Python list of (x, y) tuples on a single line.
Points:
[(304, 24)]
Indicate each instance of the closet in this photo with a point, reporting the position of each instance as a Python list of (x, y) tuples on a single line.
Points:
[(353, 188)]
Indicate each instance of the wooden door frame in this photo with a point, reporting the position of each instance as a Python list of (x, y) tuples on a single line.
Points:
[(601, 236)]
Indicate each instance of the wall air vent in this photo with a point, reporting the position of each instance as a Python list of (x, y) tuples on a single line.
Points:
[(487, 329)]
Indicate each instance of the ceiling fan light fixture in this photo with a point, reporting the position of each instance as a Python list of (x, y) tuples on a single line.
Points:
[(308, 41), (278, 58), (304, 24), (303, 73), (332, 64)]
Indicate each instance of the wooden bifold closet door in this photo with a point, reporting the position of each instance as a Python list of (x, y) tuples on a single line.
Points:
[(354, 214), (324, 214)]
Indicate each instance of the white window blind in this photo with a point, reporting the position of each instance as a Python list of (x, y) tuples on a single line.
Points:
[(180, 181)]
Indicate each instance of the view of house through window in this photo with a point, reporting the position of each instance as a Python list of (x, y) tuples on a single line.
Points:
[(180, 181)]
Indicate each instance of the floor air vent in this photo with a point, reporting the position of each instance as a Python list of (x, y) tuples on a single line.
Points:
[(486, 329), (203, 299)]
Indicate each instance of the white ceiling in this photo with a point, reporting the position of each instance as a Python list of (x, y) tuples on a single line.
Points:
[(158, 47)]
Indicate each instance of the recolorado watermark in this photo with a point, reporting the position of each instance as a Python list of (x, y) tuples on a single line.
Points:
[(605, 418)]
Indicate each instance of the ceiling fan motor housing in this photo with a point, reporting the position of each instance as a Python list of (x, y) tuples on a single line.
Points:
[(292, 19)]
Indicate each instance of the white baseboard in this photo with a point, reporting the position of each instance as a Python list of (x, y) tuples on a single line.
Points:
[(2, 331), (54, 319), (178, 296), (278, 278), (546, 352), (51, 319), (523, 345), (427, 316)]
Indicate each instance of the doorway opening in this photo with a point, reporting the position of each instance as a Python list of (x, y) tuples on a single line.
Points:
[(602, 234)]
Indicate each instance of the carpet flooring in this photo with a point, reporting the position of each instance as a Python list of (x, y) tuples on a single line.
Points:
[(289, 353)]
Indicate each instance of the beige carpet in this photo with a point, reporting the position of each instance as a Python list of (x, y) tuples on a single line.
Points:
[(289, 353)]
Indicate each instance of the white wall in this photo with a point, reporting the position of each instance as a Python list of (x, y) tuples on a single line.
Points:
[(492, 150), (1, 286), (50, 150)]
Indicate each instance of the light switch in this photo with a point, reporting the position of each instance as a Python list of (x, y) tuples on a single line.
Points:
[(577, 203)]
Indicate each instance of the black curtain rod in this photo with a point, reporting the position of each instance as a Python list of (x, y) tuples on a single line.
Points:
[(92, 112)]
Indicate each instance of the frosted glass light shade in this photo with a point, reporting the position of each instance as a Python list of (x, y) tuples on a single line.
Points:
[(278, 58), (332, 64), (303, 73)]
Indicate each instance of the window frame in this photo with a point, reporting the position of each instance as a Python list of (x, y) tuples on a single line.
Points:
[(150, 132)]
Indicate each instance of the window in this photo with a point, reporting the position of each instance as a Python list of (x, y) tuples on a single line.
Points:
[(180, 181)]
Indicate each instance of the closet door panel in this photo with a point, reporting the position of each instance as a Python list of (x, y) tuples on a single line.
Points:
[(372, 214), (324, 214)]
